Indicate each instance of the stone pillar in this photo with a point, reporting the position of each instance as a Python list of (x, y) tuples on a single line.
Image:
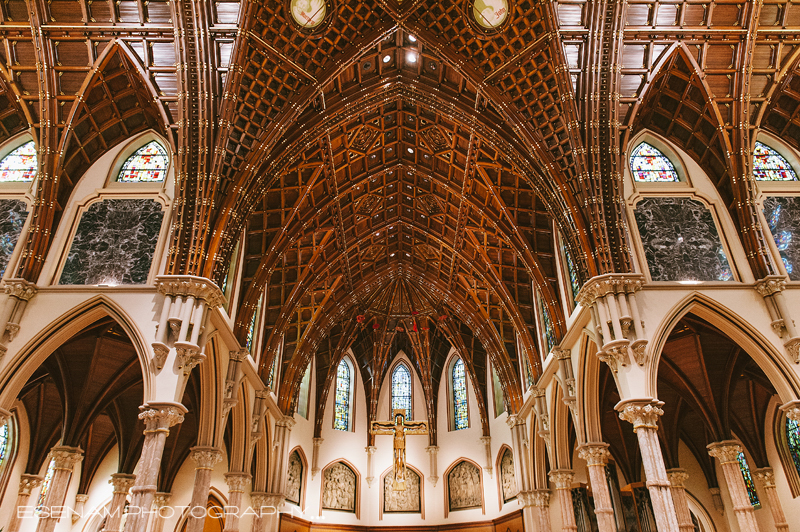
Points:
[(767, 478), (727, 452), (158, 418), (596, 455), (283, 427), (519, 442), (433, 452), (64, 460), (122, 483), (160, 501), (677, 478), (540, 503), (267, 516), (644, 414), (315, 457), (562, 479), (370, 450), (237, 482), (27, 483), (205, 458)]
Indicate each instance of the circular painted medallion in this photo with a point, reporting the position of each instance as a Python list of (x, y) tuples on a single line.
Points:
[(490, 14), (308, 14)]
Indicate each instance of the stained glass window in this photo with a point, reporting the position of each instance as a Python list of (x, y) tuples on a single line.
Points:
[(147, 165), (748, 481), (271, 376), (401, 389), (305, 389), (251, 330), (20, 164), (783, 215), (3, 443), (341, 419), (769, 165), (573, 274), (459, 376), (547, 324), (497, 391), (648, 164), (793, 441), (48, 477)]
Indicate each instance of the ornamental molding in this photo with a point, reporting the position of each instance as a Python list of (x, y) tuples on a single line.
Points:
[(792, 410), (595, 454), (725, 451), (641, 413), (562, 478), (20, 288), (161, 499), (28, 483), (610, 283), (770, 285), (200, 288)]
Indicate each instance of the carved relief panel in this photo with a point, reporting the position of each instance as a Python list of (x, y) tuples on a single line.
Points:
[(294, 478), (407, 500), (339, 484), (464, 487)]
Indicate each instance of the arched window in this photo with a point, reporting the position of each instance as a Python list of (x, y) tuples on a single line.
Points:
[(572, 271), (748, 481), (401, 389), (344, 382), (147, 165), (547, 325), (458, 378), (793, 441), (3, 444), (48, 477), (769, 165), (20, 164), (649, 165)]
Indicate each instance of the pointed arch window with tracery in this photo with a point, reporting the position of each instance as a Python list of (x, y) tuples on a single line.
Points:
[(459, 383), (401, 389), (793, 441), (341, 415), (649, 165), (748, 480), (769, 165), (148, 164), (19, 165)]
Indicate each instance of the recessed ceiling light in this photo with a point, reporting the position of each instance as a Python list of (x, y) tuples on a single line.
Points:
[(387, 58), (410, 150), (412, 38), (412, 57)]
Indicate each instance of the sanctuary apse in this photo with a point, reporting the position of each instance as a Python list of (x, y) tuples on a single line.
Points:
[(559, 235)]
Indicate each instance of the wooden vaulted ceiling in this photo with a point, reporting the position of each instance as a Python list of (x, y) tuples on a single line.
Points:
[(398, 142)]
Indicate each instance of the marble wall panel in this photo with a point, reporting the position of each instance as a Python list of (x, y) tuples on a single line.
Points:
[(13, 214)]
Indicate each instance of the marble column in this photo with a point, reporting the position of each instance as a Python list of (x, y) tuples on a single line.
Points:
[(64, 460), (677, 478), (27, 483), (596, 455), (160, 502), (767, 478), (643, 415), (280, 443), (540, 504), (157, 421), (562, 479), (122, 484), (266, 506), (727, 452), (237, 482), (205, 458)]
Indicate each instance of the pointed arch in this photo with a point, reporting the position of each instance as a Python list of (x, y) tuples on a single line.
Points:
[(303, 476)]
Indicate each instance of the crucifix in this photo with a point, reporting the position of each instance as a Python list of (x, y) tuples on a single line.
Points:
[(399, 428)]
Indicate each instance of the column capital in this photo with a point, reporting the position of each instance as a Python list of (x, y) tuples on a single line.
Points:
[(432, 449), (642, 413), (286, 421), (261, 499), (538, 498), (5, 415), (562, 478), (595, 453), (792, 410), (513, 420), (766, 475), (610, 283), (65, 457), (318, 441), (161, 416), (161, 499), (370, 449), (725, 451), (28, 482), (486, 440), (237, 481), (199, 288), (122, 482), (561, 354), (206, 457), (20, 288), (677, 477), (770, 284), (238, 354)]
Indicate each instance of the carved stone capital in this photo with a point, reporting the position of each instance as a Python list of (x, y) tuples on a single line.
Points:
[(200, 288), (318, 441), (370, 449), (206, 457), (716, 498), (286, 421), (66, 457), (792, 346), (5, 415), (28, 483), (770, 285), (512, 420), (160, 352), (639, 348), (122, 482), (486, 440), (792, 410), (20, 288), (189, 356), (677, 477), (766, 475), (541, 498), (642, 413), (562, 478), (725, 451), (595, 453), (237, 481), (609, 283), (161, 416), (266, 502), (12, 329), (432, 449), (538, 392), (239, 355), (561, 354), (161, 499)]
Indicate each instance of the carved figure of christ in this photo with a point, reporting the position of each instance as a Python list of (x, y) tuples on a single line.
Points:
[(399, 428)]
